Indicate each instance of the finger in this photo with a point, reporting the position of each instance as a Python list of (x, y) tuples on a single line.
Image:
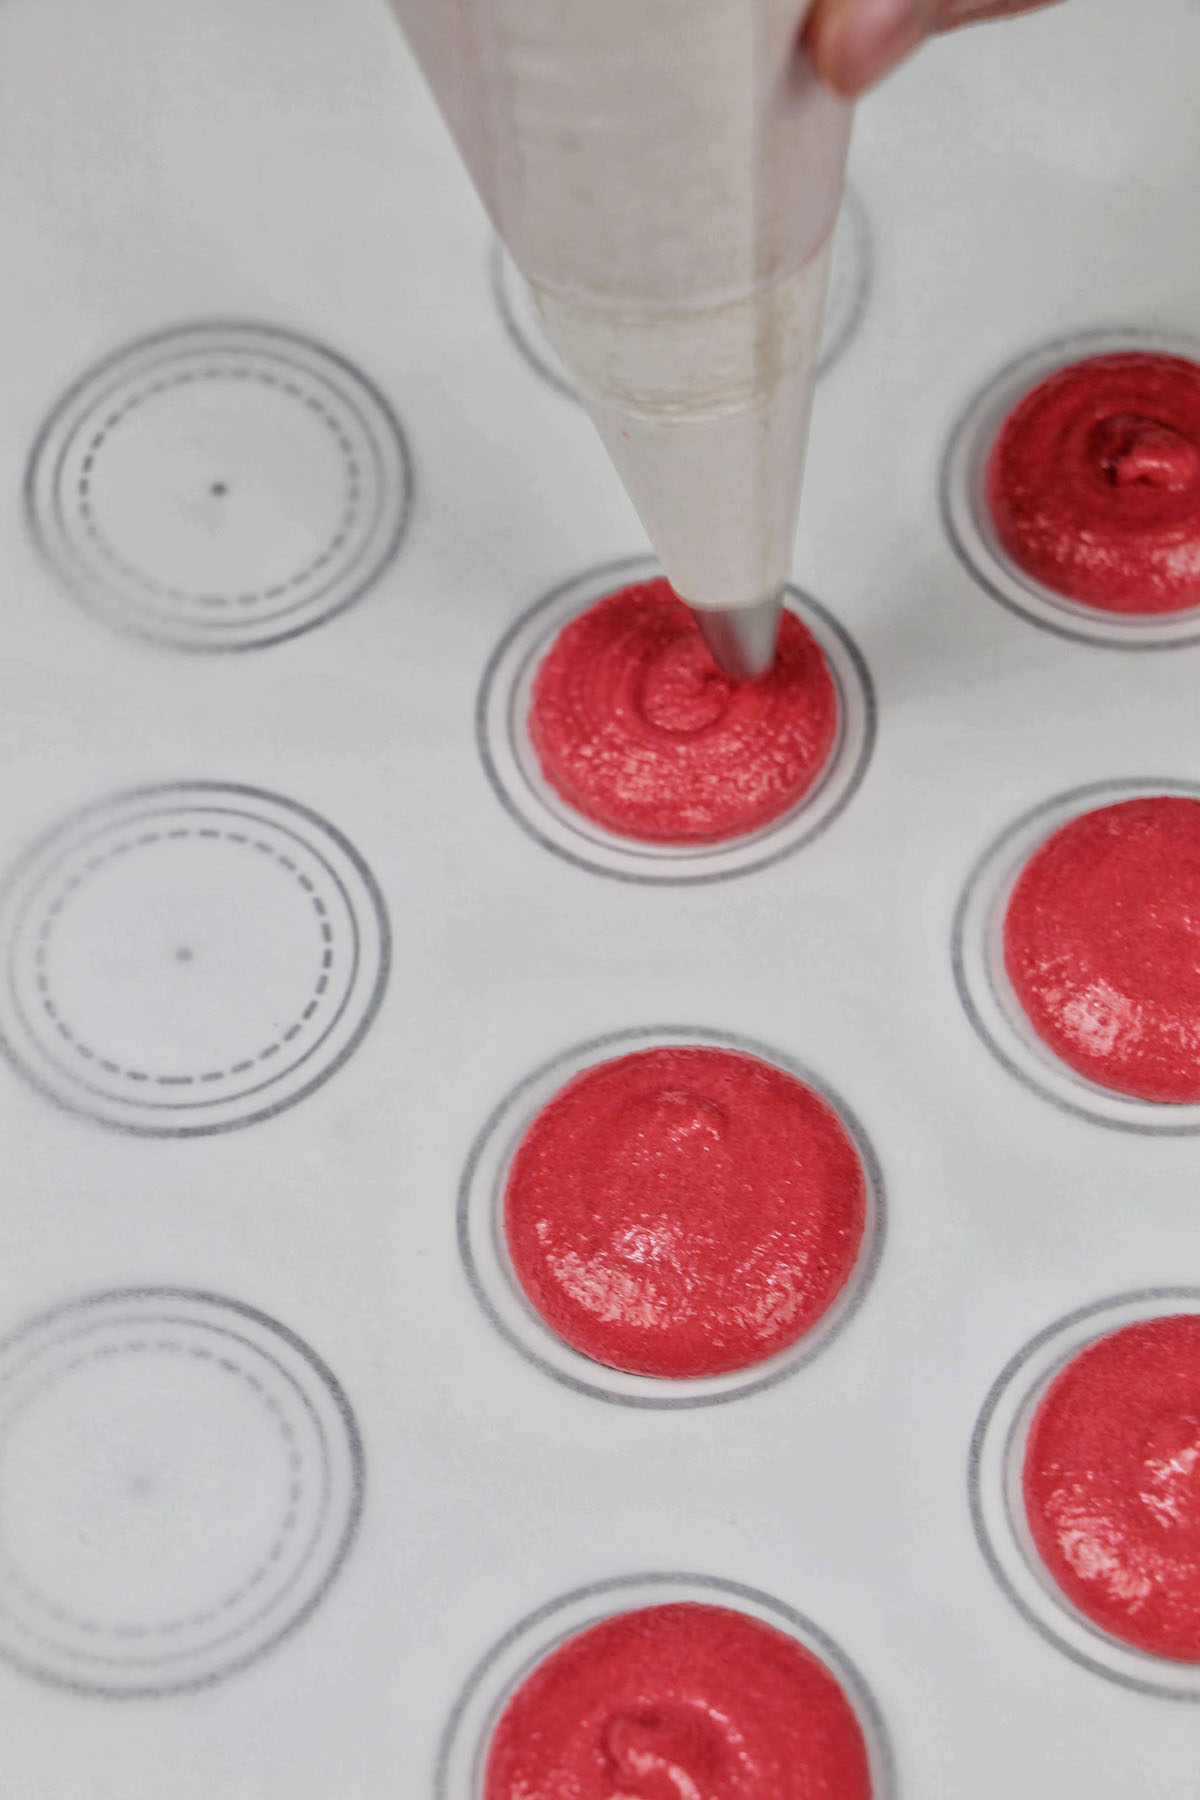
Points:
[(854, 43), (974, 12)]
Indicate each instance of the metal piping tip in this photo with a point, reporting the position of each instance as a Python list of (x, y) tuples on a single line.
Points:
[(742, 639)]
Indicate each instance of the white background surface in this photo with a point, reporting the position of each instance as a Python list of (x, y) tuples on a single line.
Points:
[(278, 160)]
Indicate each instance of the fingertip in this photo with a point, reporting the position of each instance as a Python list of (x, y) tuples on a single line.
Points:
[(855, 43)]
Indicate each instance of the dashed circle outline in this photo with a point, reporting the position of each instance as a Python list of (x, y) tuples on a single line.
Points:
[(171, 1626), (130, 405), (355, 1471), (322, 354), (68, 1070), (183, 792), (153, 629), (54, 909), (323, 1511), (151, 354)]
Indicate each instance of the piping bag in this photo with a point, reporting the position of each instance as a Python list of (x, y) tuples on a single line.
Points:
[(666, 175)]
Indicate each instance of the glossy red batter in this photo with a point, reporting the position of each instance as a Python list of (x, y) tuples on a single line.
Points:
[(684, 1211), (1112, 1484), (636, 727), (1094, 483), (679, 1702), (1102, 946)]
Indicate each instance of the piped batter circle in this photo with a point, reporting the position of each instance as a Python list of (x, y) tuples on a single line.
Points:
[(845, 303), (1102, 946), (684, 1211), (184, 959), (763, 1325), (1094, 482), (180, 1480), (1049, 987), (220, 486), (638, 731), (619, 1610), (989, 547), (1111, 1484), (514, 763), (1024, 1426)]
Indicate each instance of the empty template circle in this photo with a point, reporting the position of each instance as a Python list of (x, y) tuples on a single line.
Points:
[(220, 486), (188, 958), (180, 1480)]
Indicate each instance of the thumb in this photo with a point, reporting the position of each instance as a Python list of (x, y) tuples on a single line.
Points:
[(974, 12), (854, 43)]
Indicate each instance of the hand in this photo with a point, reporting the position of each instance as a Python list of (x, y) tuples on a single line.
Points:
[(854, 43)]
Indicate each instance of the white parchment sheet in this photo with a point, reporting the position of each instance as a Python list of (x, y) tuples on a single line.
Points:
[(347, 441)]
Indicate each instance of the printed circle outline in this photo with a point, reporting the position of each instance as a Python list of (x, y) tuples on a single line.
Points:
[(69, 1071), (172, 1626), (1057, 1604), (320, 353), (963, 507), (601, 852), (512, 1117), (859, 258), (85, 1308), (1015, 1047), (654, 1587), (61, 1083), (140, 361), (130, 405), (259, 642)]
